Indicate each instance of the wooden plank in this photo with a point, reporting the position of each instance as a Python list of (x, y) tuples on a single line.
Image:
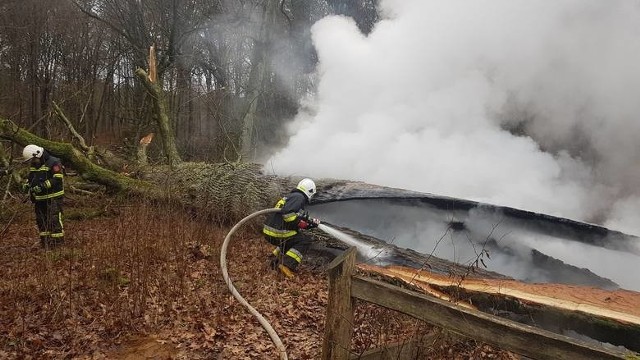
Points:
[(526, 340), (338, 327)]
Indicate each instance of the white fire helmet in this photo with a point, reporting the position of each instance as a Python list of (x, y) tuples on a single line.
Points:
[(308, 187), (32, 151)]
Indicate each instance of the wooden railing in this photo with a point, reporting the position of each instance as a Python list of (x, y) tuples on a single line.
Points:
[(522, 339)]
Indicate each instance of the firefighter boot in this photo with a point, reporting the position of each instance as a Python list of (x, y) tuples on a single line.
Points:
[(286, 271), (288, 266)]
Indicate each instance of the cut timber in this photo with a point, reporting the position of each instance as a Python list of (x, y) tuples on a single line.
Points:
[(526, 340), (609, 316)]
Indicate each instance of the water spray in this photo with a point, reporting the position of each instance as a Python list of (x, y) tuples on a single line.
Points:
[(365, 250)]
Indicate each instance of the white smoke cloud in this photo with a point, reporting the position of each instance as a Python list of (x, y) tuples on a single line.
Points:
[(623, 216), (423, 102)]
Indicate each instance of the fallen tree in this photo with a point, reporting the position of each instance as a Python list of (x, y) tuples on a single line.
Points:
[(225, 191), (96, 154), (73, 157)]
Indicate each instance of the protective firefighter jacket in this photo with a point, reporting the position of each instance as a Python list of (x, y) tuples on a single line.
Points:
[(49, 177), (284, 224)]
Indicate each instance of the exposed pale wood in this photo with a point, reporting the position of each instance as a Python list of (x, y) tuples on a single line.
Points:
[(153, 69), (161, 114), (537, 293), (509, 335), (339, 320), (610, 316), (141, 155)]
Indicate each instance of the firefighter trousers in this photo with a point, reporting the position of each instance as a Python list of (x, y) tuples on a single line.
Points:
[(289, 251), (49, 221)]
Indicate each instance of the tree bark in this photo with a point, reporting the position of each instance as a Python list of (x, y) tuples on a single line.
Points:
[(70, 155), (96, 154), (223, 193), (259, 68), (163, 120)]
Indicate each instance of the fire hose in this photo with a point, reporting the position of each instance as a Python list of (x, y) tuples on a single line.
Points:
[(225, 274)]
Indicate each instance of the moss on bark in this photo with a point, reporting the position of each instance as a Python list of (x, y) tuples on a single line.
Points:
[(75, 158)]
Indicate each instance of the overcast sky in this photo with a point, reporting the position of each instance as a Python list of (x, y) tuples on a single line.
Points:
[(530, 104)]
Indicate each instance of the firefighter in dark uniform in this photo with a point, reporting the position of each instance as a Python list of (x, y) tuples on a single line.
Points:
[(282, 228), (46, 189)]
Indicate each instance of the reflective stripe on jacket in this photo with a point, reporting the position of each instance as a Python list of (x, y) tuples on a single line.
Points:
[(49, 176), (284, 224)]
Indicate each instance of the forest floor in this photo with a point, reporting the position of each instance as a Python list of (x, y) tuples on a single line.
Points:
[(137, 280)]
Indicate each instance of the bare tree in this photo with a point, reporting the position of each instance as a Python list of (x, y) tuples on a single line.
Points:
[(230, 72)]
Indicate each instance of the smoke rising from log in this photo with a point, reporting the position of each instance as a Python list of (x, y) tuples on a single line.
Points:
[(513, 102)]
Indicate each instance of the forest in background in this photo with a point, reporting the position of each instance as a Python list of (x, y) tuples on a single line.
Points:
[(233, 72)]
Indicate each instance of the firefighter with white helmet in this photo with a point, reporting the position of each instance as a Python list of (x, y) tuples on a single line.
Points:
[(46, 189), (283, 228)]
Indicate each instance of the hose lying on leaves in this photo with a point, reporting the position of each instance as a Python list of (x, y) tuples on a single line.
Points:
[(225, 274)]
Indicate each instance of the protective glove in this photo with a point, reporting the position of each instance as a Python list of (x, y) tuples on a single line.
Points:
[(314, 223), (37, 189), (25, 188), (304, 215)]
